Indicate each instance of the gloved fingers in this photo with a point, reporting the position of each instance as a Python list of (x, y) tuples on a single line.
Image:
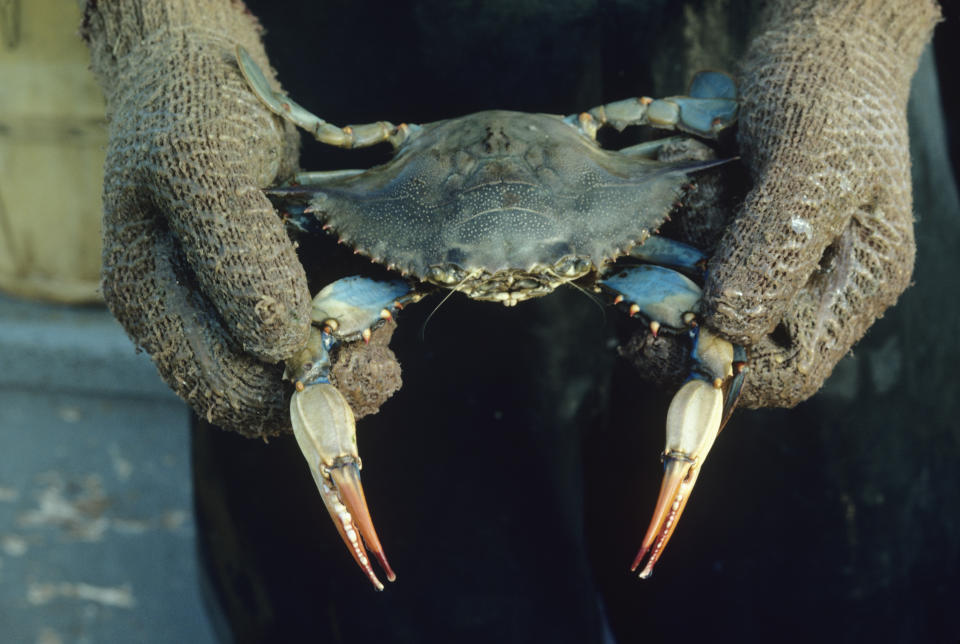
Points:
[(149, 288), (863, 273), (212, 158), (823, 131), (184, 126)]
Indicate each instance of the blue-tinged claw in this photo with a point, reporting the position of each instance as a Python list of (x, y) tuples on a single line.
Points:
[(352, 305), (663, 296), (276, 102), (725, 363), (667, 252), (326, 433), (696, 415), (710, 105), (352, 136), (323, 423), (346, 310), (705, 116), (693, 422)]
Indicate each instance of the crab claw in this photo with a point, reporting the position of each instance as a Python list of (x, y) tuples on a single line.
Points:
[(325, 430), (693, 422)]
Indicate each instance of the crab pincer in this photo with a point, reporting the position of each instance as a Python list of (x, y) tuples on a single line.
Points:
[(697, 413), (326, 432), (323, 422), (699, 410)]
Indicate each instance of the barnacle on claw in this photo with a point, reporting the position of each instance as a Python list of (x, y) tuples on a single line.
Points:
[(504, 207)]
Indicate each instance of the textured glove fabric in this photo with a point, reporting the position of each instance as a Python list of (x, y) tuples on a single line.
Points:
[(198, 268), (197, 265), (824, 241)]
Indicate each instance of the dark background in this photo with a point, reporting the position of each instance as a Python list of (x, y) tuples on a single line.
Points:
[(513, 476)]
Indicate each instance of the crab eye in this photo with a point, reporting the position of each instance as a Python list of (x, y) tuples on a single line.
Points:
[(571, 266), (447, 274)]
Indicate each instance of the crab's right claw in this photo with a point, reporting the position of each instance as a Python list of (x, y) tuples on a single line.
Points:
[(697, 413), (693, 422), (325, 430)]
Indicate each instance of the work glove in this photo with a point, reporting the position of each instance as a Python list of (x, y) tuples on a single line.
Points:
[(196, 263), (200, 272), (823, 242)]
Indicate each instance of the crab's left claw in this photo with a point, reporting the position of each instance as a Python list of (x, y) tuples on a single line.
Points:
[(695, 417), (326, 432), (344, 311)]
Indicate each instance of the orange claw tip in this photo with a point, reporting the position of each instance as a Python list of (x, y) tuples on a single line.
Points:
[(678, 478), (349, 511), (636, 562)]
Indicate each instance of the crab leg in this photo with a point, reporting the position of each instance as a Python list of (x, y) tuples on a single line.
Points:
[(323, 422), (666, 252), (699, 410), (351, 136), (325, 430), (661, 295), (710, 106), (695, 417)]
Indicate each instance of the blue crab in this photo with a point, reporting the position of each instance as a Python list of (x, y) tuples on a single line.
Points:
[(507, 206)]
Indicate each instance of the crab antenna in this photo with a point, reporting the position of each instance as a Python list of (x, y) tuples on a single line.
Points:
[(446, 297), (590, 296)]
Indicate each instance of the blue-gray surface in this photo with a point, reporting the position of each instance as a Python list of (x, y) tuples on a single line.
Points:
[(96, 523)]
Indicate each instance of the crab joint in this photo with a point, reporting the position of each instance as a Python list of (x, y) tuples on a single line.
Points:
[(330, 325), (325, 430)]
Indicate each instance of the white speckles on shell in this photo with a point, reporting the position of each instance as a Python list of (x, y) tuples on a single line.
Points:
[(501, 191)]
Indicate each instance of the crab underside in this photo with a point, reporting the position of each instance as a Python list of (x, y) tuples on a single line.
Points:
[(507, 206)]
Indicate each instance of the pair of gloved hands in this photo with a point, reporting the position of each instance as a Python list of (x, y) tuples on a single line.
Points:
[(199, 270)]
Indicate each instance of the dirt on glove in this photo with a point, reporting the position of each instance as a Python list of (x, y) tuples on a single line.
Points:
[(197, 266), (824, 241)]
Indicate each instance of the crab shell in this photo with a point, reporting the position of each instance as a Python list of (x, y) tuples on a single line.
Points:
[(502, 206)]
